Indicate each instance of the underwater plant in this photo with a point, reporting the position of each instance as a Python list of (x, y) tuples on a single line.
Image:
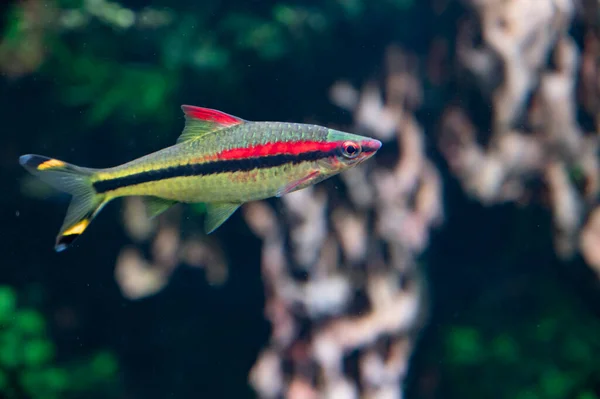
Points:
[(28, 360)]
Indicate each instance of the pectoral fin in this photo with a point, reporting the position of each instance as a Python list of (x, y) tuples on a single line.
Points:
[(217, 214), (155, 205), (297, 184)]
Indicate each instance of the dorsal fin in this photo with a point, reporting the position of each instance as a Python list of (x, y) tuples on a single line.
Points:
[(201, 121)]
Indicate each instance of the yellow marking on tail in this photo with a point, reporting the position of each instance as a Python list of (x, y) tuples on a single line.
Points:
[(51, 163), (78, 228)]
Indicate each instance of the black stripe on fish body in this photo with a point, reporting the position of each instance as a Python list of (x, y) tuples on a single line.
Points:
[(209, 168)]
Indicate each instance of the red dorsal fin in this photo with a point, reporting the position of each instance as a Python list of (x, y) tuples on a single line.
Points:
[(201, 121), (210, 115)]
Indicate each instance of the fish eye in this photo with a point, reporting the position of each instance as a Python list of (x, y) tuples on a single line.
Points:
[(350, 149)]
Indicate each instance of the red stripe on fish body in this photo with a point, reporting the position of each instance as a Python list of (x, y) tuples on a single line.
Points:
[(257, 140), (277, 148)]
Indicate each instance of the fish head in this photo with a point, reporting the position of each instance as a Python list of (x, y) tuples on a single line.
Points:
[(350, 150)]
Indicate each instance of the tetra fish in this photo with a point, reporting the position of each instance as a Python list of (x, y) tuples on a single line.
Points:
[(219, 159)]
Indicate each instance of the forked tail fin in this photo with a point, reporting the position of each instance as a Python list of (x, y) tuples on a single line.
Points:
[(75, 180)]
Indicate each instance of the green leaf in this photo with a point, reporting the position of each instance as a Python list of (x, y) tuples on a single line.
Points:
[(37, 352), (578, 350), (13, 33), (505, 348), (285, 14), (45, 383), (10, 353), (3, 381), (56, 378), (556, 384), (353, 8), (210, 57), (8, 302), (527, 394), (30, 322), (587, 395), (546, 329), (464, 345), (104, 364)]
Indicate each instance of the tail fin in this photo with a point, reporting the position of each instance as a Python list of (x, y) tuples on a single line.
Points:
[(75, 180)]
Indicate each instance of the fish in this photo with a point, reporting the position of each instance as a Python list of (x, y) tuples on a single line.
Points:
[(219, 159)]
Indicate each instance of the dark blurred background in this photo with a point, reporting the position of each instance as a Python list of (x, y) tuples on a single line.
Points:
[(487, 179)]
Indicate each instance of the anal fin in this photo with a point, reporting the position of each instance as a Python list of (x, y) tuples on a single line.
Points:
[(156, 205), (217, 214), (293, 186)]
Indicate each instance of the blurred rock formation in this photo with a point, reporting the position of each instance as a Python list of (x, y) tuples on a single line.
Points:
[(140, 275), (536, 149), (342, 283), (343, 290)]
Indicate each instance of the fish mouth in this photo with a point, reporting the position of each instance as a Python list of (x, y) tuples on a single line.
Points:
[(370, 147)]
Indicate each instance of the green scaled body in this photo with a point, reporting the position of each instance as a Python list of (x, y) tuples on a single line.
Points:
[(219, 159)]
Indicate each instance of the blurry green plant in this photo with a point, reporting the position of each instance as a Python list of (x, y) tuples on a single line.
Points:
[(551, 355), (115, 60), (27, 359)]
